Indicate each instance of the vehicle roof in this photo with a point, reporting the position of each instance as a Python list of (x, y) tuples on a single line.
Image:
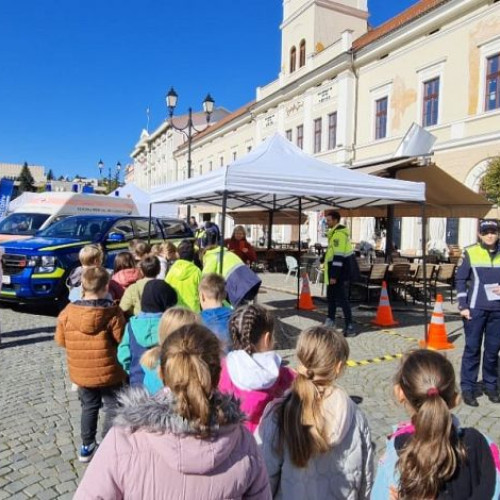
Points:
[(119, 216)]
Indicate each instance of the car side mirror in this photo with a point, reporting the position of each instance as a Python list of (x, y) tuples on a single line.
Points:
[(115, 237)]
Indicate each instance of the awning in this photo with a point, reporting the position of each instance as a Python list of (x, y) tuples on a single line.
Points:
[(445, 196)]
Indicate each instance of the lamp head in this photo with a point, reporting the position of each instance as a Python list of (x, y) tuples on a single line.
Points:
[(171, 100), (208, 105)]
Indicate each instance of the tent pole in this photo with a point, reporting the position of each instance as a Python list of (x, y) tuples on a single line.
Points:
[(222, 231), (149, 224), (424, 264), (299, 259), (270, 228)]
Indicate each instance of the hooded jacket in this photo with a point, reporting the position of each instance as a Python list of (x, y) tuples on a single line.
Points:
[(217, 321), (152, 452), (345, 472), (255, 380), (141, 334), (338, 253), (184, 277), (121, 280), (91, 331)]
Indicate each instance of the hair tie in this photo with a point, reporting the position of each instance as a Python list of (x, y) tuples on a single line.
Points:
[(305, 372), (432, 392)]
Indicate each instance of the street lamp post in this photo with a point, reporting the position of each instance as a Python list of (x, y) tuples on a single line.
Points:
[(189, 129), (118, 168)]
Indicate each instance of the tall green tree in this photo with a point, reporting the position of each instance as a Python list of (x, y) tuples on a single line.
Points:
[(490, 184), (26, 181), (50, 175)]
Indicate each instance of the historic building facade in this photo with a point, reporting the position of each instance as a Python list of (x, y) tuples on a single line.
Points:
[(348, 95)]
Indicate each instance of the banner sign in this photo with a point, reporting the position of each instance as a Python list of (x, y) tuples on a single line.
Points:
[(6, 189)]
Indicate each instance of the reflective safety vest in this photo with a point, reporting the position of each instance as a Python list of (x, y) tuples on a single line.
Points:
[(338, 253), (478, 268)]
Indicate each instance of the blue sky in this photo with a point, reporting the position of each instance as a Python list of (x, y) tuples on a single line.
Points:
[(76, 76)]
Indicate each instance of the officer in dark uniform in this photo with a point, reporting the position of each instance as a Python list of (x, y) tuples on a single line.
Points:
[(478, 292)]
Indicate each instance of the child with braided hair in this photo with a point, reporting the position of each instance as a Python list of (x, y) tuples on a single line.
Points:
[(253, 372)]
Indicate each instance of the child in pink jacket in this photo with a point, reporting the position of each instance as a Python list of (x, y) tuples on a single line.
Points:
[(186, 441), (253, 372)]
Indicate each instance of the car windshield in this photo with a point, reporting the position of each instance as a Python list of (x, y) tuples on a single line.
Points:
[(79, 228), (22, 223)]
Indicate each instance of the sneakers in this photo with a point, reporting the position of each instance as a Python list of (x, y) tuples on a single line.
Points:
[(469, 399), (493, 396), (86, 452), (329, 323), (349, 331)]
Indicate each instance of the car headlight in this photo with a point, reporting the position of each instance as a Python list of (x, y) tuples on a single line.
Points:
[(44, 264)]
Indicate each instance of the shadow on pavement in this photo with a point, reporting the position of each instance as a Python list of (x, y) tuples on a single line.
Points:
[(29, 331), (31, 340)]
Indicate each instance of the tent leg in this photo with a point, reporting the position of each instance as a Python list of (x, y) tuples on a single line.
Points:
[(389, 234), (299, 259), (270, 228), (149, 225), (222, 231), (424, 274)]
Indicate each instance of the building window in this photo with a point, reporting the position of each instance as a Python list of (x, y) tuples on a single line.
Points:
[(288, 134), (493, 82), (302, 54), (210, 165), (221, 161), (200, 170), (317, 135), (332, 130), (249, 148), (381, 118), (431, 102), (235, 154), (293, 59), (300, 136)]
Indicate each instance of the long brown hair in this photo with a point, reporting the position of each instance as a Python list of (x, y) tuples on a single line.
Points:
[(172, 319), (321, 354), (190, 367), (248, 324), (432, 454)]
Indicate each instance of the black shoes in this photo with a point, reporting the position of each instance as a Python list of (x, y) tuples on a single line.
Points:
[(349, 331), (469, 399), (493, 396)]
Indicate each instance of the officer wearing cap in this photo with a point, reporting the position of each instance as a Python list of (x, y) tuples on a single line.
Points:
[(478, 292)]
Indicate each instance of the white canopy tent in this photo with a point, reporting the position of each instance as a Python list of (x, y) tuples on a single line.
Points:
[(142, 201), (277, 175)]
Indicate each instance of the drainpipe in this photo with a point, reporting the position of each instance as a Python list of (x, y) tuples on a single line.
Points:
[(355, 124)]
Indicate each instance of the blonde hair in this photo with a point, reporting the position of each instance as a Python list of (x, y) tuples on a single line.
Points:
[(91, 255), (94, 279), (432, 455), (141, 250), (172, 319), (156, 249), (213, 286), (321, 354), (190, 365)]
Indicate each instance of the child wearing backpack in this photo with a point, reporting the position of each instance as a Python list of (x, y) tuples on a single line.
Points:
[(432, 456), (315, 441), (253, 371)]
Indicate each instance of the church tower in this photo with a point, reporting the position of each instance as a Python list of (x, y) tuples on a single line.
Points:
[(309, 26)]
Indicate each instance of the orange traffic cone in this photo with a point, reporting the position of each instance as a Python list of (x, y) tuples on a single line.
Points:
[(384, 315), (305, 299), (437, 337)]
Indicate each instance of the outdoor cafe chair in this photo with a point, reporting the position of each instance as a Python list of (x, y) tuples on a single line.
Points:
[(416, 289), (292, 266), (445, 278), (372, 281), (398, 279)]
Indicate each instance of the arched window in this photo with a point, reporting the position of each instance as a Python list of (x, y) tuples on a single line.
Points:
[(302, 54), (293, 59)]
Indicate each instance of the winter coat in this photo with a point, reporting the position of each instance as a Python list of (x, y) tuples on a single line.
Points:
[(141, 333), (152, 452), (255, 380), (121, 280), (217, 321), (237, 246), (241, 282), (478, 477), (338, 254), (130, 303), (345, 472), (184, 277), (91, 331)]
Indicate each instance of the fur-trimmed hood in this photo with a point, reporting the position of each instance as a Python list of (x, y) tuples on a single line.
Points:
[(139, 410)]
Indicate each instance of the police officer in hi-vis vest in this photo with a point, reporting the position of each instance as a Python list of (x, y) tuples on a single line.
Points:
[(478, 292), (337, 271)]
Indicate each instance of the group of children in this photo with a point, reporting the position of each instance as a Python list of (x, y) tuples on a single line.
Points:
[(213, 412)]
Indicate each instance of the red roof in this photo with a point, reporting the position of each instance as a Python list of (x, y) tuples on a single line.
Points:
[(408, 15)]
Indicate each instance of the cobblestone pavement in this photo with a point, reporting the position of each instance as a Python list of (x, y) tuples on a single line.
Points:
[(39, 415)]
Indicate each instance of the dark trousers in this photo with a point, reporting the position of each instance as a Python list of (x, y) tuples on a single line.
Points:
[(483, 324), (91, 400), (337, 296)]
